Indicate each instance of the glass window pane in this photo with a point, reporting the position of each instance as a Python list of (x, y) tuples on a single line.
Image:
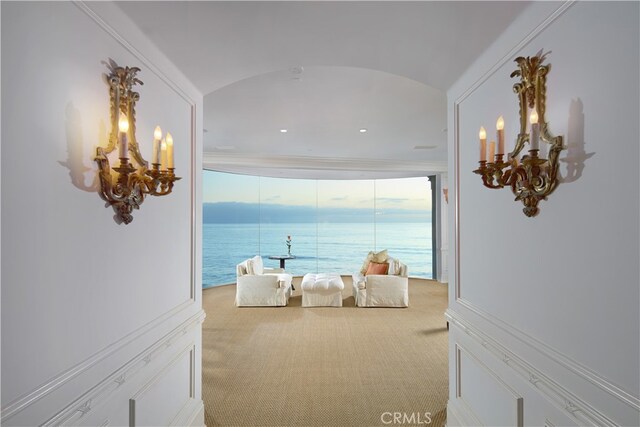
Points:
[(345, 225), (288, 208), (230, 229), (403, 222)]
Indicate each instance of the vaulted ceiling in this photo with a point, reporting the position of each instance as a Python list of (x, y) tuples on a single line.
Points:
[(324, 71)]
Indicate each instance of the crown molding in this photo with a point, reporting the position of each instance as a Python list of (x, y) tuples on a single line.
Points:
[(290, 165)]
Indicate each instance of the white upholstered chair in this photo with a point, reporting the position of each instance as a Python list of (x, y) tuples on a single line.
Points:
[(378, 290), (260, 286)]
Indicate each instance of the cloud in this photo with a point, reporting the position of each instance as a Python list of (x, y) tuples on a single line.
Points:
[(392, 199)]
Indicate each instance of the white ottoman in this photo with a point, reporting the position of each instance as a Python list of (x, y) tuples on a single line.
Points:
[(322, 290)]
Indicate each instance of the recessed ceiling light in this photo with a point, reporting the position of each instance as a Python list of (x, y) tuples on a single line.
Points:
[(424, 147), (363, 130), (296, 70), (283, 130)]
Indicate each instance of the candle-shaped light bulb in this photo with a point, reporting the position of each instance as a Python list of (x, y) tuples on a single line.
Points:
[(157, 137), (123, 124), (123, 146), (483, 144), (163, 155), (533, 118), (169, 151), (500, 128), (535, 130)]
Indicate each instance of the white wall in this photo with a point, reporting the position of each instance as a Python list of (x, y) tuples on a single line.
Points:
[(94, 313), (544, 311), (443, 229)]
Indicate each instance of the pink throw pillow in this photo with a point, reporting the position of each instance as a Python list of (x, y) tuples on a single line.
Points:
[(377, 268)]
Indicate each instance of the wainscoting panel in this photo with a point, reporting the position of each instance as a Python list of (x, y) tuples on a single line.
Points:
[(480, 354), (485, 395), (107, 402), (160, 400)]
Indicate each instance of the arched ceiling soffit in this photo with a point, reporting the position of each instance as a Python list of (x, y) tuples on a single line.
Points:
[(324, 109), (218, 43)]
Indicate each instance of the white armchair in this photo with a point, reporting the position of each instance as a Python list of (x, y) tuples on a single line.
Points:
[(259, 286), (382, 290)]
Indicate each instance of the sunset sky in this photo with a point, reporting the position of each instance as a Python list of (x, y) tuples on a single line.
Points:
[(405, 193)]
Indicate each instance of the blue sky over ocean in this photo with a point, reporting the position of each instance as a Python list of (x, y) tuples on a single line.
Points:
[(230, 198), (252, 213)]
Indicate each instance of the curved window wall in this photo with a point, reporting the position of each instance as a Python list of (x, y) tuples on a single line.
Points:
[(332, 224)]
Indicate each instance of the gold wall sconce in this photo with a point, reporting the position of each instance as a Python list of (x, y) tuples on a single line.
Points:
[(531, 178), (126, 189)]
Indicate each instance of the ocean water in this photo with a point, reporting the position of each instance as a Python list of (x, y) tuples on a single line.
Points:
[(319, 248)]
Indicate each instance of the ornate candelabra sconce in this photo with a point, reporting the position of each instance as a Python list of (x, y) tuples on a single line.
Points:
[(126, 187), (532, 178)]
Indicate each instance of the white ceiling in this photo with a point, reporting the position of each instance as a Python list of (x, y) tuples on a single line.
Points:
[(323, 70)]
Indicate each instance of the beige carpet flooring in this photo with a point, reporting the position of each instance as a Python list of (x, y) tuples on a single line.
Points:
[(348, 366)]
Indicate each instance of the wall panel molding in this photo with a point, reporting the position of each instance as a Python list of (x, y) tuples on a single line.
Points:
[(50, 386), (158, 377), (82, 5), (191, 104), (518, 419), (102, 391), (456, 128), (577, 409), (509, 56), (558, 357), (195, 207), (581, 394), (155, 331)]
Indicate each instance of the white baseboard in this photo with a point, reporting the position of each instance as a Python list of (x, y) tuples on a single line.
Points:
[(458, 415), (580, 400), (444, 277), (453, 420), (192, 414)]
